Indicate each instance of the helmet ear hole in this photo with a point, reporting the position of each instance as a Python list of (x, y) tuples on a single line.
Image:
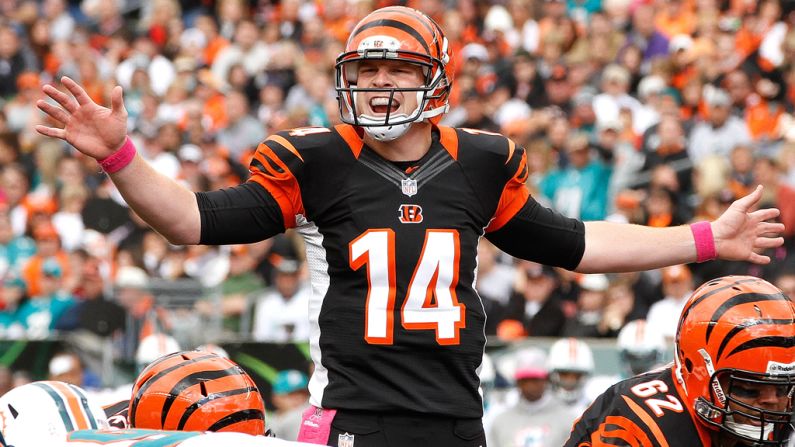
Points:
[(203, 388), (689, 365), (14, 412)]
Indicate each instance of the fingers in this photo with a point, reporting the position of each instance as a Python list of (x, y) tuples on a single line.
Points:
[(56, 113), (765, 214), (768, 242), (770, 228), (117, 101), (80, 95), (51, 131), (61, 98), (745, 203), (759, 259)]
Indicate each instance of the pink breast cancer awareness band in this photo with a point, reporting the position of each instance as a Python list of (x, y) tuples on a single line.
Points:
[(705, 242), (119, 159)]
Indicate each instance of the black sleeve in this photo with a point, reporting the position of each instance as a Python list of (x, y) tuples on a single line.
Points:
[(239, 215), (539, 234)]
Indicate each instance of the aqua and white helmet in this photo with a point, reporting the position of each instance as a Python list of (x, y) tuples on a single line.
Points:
[(41, 413)]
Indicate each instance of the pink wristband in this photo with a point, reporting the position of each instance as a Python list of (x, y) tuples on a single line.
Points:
[(116, 161), (705, 242)]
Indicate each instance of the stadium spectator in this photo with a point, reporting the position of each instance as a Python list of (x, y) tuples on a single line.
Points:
[(290, 397), (539, 417), (677, 284), (282, 313), (591, 303), (535, 303), (720, 132)]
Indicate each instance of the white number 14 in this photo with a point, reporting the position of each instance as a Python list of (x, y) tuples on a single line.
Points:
[(435, 276)]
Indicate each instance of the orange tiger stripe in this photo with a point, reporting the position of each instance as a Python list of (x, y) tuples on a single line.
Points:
[(648, 420), (286, 144), (514, 195), (282, 186), (449, 140), (352, 139)]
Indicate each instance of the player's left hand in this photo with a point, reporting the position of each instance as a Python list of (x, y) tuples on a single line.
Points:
[(740, 233)]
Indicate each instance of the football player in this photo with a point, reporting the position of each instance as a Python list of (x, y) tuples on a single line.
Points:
[(731, 382), (193, 391), (391, 206), (41, 413), (641, 347), (570, 366)]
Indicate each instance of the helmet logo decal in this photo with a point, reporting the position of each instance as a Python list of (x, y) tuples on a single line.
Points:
[(379, 43), (776, 368)]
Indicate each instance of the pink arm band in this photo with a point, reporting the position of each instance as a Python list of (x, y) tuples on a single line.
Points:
[(119, 159), (705, 243)]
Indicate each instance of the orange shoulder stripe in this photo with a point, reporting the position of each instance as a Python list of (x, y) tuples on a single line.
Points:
[(287, 145), (283, 186), (648, 420), (514, 195), (449, 139), (348, 133)]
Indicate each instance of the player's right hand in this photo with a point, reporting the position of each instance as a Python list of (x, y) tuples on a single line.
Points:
[(92, 129)]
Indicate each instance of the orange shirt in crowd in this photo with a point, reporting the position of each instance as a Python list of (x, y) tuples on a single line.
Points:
[(762, 118), (33, 272)]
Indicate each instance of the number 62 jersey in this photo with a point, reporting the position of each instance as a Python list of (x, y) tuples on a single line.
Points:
[(644, 411), (391, 250)]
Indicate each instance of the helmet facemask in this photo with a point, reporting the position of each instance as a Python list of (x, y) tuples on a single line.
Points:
[(729, 410), (436, 86)]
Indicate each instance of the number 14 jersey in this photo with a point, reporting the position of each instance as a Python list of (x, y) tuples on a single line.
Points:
[(391, 250)]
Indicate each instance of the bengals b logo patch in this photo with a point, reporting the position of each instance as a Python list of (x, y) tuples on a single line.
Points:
[(410, 213)]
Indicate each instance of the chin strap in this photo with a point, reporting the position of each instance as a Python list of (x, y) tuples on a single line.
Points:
[(748, 430)]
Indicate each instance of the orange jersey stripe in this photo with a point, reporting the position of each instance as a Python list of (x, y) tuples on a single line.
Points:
[(348, 133), (283, 186), (651, 423), (449, 140), (287, 145), (514, 196)]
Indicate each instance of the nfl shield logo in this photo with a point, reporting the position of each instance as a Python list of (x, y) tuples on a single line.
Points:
[(409, 186), (345, 440)]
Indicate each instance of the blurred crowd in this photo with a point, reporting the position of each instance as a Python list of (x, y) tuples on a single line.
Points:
[(658, 112)]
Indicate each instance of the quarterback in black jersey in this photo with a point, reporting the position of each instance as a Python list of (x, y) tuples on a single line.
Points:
[(391, 207), (731, 383)]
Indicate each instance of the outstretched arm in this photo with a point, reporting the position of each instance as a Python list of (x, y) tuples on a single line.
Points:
[(739, 233), (98, 132)]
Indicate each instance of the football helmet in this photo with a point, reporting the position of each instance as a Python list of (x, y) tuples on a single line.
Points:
[(735, 334), (640, 347), (41, 413), (196, 391), (401, 34), (570, 355)]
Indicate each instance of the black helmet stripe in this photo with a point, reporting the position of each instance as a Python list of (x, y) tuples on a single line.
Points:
[(394, 24), (434, 30), (158, 376), (741, 327), (736, 300), (191, 380), (765, 342), (214, 396), (234, 418), (705, 296)]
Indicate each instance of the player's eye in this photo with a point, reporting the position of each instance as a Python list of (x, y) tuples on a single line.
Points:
[(744, 392)]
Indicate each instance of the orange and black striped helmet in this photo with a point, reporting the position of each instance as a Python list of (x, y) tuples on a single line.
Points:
[(196, 391), (402, 34), (737, 333)]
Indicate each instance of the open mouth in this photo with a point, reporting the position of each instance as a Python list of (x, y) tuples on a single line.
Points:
[(381, 105)]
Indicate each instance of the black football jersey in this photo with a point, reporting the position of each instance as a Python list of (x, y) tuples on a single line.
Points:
[(391, 250), (644, 411)]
